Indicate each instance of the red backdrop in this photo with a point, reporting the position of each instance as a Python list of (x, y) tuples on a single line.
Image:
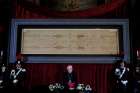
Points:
[(97, 75)]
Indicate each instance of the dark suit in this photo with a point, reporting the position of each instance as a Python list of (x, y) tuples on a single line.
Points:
[(4, 76), (69, 77), (136, 82)]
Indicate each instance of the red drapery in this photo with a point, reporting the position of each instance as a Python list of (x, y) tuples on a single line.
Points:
[(97, 75), (23, 13), (116, 9)]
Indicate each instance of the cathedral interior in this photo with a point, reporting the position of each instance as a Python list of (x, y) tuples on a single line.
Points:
[(48, 37)]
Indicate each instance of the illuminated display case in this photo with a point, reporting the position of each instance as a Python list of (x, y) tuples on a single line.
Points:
[(57, 40)]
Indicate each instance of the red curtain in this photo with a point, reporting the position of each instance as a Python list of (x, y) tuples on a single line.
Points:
[(118, 8), (97, 75), (24, 13)]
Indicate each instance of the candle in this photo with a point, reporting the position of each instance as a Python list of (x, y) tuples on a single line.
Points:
[(1, 53), (137, 53)]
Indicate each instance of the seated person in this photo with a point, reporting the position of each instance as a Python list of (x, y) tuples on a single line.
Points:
[(69, 79)]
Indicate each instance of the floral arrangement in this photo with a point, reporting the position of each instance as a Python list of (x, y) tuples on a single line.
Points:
[(56, 86)]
